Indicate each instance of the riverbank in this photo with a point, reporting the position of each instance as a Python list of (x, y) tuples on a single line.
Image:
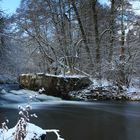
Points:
[(93, 92)]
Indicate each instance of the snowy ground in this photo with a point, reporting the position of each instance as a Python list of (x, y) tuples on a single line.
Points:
[(105, 90), (32, 132)]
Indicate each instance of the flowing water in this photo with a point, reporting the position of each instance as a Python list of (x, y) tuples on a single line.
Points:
[(77, 120)]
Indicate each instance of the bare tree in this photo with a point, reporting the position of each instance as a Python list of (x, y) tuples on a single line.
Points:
[(82, 31)]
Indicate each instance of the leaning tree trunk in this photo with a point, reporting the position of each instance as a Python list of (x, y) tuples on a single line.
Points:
[(82, 31)]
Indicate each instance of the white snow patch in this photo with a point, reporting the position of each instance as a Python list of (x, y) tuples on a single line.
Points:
[(60, 76), (102, 82), (66, 76), (32, 131), (133, 93), (41, 90), (133, 89), (135, 6)]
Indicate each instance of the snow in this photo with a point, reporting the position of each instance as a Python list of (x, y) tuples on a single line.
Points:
[(66, 76), (60, 76), (34, 115), (26, 74), (133, 89), (135, 6), (102, 82), (33, 131), (41, 90), (133, 93)]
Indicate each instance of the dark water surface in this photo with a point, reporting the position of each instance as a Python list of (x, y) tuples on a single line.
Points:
[(76, 120), (82, 120)]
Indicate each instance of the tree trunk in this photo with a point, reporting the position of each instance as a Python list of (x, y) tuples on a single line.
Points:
[(122, 49), (112, 33), (82, 31), (122, 80), (95, 21)]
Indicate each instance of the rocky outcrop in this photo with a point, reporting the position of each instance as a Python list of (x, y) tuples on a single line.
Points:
[(54, 84), (92, 93), (99, 93)]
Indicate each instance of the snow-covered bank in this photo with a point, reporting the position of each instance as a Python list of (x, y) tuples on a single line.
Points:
[(32, 132), (105, 90), (98, 90), (133, 93)]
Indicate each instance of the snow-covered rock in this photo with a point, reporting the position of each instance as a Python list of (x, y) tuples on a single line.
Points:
[(58, 85), (105, 90)]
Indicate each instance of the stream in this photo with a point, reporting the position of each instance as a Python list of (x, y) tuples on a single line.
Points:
[(98, 120)]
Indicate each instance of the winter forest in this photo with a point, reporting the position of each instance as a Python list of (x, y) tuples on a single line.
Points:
[(71, 54), (72, 37)]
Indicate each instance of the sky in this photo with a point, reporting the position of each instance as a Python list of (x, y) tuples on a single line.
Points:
[(9, 6), (103, 1), (135, 5)]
